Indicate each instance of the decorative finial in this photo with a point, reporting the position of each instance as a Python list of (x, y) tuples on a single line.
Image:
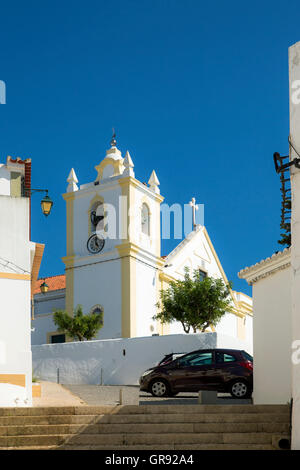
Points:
[(113, 141), (72, 180), (128, 165), (154, 182)]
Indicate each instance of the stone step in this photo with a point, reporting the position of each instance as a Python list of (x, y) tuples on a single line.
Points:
[(40, 430), (143, 409), (171, 447), (200, 409), (32, 441), (168, 439), (194, 418), (145, 419), (48, 419), (184, 439)]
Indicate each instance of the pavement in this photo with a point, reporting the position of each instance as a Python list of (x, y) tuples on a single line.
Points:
[(95, 395), (56, 395)]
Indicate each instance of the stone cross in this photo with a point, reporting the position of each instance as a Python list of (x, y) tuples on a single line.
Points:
[(193, 204)]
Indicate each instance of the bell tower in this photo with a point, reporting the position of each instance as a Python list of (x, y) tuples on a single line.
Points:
[(113, 246)]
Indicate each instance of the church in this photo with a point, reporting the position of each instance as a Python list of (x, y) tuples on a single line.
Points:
[(114, 262)]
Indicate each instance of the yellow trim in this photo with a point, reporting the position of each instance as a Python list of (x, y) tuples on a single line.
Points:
[(137, 184), (166, 277), (128, 265), (38, 255), (242, 293), (36, 390), (13, 379), (117, 166), (237, 308), (16, 276), (69, 259)]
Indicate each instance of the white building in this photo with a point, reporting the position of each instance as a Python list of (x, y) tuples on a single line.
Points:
[(19, 266), (272, 328), (123, 276), (276, 290)]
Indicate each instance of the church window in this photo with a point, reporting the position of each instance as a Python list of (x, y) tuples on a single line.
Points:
[(97, 309), (145, 216), (203, 274), (58, 338)]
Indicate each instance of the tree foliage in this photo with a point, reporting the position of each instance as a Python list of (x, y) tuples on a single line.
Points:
[(79, 326), (194, 302)]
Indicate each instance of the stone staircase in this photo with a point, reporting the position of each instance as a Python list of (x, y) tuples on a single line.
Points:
[(153, 427)]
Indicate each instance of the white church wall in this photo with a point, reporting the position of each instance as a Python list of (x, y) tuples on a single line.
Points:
[(227, 325), (272, 338), (85, 362), (197, 254), (41, 326), (101, 284), (44, 305), (146, 298)]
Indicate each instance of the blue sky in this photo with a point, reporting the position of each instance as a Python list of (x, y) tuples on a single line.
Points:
[(197, 91)]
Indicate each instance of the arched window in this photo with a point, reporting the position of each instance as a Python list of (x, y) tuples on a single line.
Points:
[(145, 219), (97, 309)]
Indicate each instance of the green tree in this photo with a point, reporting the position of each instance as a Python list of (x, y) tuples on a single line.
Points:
[(195, 302), (79, 326)]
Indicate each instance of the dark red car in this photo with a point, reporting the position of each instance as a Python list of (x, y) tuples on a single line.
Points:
[(222, 370)]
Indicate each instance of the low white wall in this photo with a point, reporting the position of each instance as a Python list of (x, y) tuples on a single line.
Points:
[(85, 362)]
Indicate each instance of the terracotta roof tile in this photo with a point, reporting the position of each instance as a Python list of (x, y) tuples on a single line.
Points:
[(54, 283)]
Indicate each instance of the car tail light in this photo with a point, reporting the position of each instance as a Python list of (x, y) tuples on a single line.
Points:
[(247, 364)]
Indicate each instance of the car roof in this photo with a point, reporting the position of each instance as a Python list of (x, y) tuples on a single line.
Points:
[(214, 349)]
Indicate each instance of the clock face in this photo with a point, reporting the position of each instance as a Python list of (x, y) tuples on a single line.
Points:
[(95, 244)]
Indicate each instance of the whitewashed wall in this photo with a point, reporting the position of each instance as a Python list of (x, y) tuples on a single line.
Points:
[(15, 353), (4, 180), (272, 333), (84, 362)]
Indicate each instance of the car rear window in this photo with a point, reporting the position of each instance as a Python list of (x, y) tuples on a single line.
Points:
[(224, 357), (247, 356)]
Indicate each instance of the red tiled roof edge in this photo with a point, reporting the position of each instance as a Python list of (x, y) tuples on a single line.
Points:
[(57, 282)]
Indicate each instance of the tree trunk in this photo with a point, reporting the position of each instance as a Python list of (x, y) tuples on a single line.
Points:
[(204, 327), (186, 328)]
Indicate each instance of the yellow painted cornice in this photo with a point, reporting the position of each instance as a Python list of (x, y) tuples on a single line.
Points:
[(117, 164), (166, 277), (130, 180), (69, 196), (127, 249), (16, 276)]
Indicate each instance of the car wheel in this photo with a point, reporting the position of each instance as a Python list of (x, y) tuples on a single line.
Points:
[(240, 389), (159, 388)]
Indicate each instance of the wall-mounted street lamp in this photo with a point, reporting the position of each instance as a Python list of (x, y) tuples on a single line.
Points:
[(46, 202), (44, 287)]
